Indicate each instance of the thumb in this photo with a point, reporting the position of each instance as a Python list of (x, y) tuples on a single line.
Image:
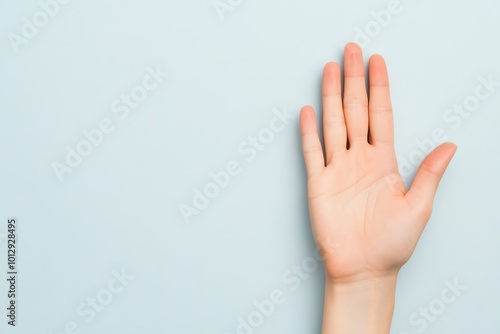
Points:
[(424, 186)]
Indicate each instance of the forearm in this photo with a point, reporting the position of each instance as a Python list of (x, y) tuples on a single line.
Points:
[(363, 307)]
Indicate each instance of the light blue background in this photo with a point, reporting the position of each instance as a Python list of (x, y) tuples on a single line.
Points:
[(120, 207)]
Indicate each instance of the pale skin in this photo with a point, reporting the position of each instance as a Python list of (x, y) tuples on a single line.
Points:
[(365, 222)]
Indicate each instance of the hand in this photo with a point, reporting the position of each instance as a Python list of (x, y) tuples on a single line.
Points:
[(365, 223)]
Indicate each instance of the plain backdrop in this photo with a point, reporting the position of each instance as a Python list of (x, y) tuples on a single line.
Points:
[(231, 70)]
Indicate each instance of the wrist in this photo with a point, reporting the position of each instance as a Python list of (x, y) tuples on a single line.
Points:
[(370, 298), (363, 281)]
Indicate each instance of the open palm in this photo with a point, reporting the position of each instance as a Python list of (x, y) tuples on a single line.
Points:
[(364, 220)]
